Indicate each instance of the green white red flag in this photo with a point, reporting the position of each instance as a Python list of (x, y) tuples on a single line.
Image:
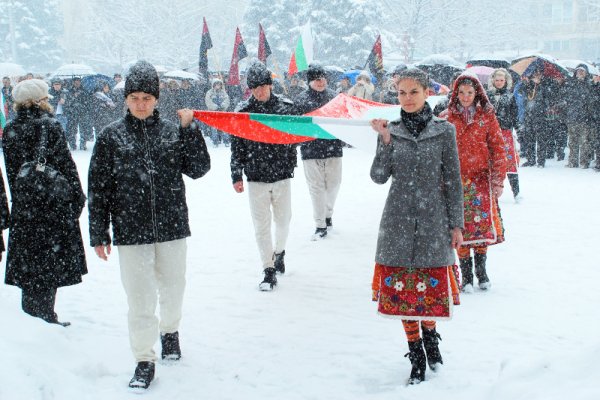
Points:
[(303, 52), (345, 117)]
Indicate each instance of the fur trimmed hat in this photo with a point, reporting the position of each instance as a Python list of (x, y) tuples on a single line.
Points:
[(142, 77), (258, 75), (30, 90), (315, 71)]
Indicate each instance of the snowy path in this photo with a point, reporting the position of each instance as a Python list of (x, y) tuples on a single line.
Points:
[(534, 336)]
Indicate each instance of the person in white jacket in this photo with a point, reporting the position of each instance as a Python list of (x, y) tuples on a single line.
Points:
[(217, 99), (363, 88)]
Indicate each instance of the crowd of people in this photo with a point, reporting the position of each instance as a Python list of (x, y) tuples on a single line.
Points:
[(448, 165)]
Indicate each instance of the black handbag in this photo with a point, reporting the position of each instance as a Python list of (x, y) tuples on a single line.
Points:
[(41, 191)]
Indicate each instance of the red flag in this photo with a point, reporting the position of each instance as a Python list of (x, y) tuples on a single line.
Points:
[(264, 50), (205, 44), (375, 60), (239, 52)]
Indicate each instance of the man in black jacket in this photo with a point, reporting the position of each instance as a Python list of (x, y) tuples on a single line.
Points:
[(269, 169), (135, 183), (322, 158)]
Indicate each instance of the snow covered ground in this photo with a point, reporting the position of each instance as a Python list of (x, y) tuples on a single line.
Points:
[(535, 335)]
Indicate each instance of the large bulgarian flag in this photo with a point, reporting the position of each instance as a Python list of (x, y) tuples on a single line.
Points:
[(345, 117), (303, 52)]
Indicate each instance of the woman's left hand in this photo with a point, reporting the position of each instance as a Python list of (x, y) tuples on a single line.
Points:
[(456, 237)]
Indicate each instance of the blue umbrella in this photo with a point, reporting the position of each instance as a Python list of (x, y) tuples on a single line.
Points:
[(91, 83), (353, 73)]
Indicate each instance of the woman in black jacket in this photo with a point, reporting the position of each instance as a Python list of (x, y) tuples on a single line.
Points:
[(502, 98), (45, 252)]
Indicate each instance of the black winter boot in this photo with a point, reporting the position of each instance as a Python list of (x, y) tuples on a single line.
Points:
[(482, 278), (171, 350), (466, 269), (417, 359), (279, 262), (143, 375), (270, 280), (430, 341)]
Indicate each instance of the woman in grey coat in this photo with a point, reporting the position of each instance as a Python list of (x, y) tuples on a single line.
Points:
[(422, 220)]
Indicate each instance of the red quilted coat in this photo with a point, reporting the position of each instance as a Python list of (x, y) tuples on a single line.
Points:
[(480, 143)]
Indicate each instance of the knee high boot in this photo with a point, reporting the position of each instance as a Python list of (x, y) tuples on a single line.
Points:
[(40, 303), (431, 341), (466, 269), (416, 355), (484, 281)]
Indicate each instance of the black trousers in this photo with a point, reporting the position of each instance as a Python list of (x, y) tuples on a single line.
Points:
[(39, 302)]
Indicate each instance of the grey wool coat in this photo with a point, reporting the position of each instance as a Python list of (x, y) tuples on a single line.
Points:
[(425, 200)]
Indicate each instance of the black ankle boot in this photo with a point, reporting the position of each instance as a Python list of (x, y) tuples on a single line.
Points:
[(466, 269), (270, 280), (171, 350), (417, 359), (480, 272), (430, 341), (143, 375), (279, 262)]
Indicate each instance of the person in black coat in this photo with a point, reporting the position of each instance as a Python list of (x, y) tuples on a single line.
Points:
[(135, 183), (502, 98), (579, 99), (322, 159), (79, 114), (269, 169), (45, 253)]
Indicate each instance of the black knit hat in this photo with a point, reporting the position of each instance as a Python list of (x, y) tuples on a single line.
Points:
[(315, 71), (142, 77), (258, 75)]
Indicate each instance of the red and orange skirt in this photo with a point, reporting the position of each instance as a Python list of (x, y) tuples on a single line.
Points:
[(416, 293)]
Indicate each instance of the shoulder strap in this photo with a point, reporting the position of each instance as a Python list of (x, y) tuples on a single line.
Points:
[(43, 146)]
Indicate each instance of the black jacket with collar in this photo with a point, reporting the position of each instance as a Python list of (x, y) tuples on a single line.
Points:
[(308, 101), (135, 180), (263, 162)]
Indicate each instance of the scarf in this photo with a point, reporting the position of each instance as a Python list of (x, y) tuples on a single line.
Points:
[(416, 122)]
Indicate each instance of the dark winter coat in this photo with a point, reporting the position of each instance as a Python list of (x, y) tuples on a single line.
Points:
[(57, 95), (4, 214), (135, 180), (425, 201), (578, 97), (263, 162), (48, 252), (308, 101), (505, 105)]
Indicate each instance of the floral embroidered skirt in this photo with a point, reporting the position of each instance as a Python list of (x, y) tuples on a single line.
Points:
[(483, 221), (511, 153), (416, 293)]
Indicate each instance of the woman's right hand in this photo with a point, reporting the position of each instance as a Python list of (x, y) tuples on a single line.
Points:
[(381, 126)]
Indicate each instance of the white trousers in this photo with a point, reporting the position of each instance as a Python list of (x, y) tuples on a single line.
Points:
[(264, 198), (324, 177), (151, 274)]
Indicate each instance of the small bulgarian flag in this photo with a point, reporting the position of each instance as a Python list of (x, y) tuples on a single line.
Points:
[(3, 113), (345, 117), (303, 53)]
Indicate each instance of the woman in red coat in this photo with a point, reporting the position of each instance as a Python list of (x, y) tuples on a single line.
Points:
[(483, 169)]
